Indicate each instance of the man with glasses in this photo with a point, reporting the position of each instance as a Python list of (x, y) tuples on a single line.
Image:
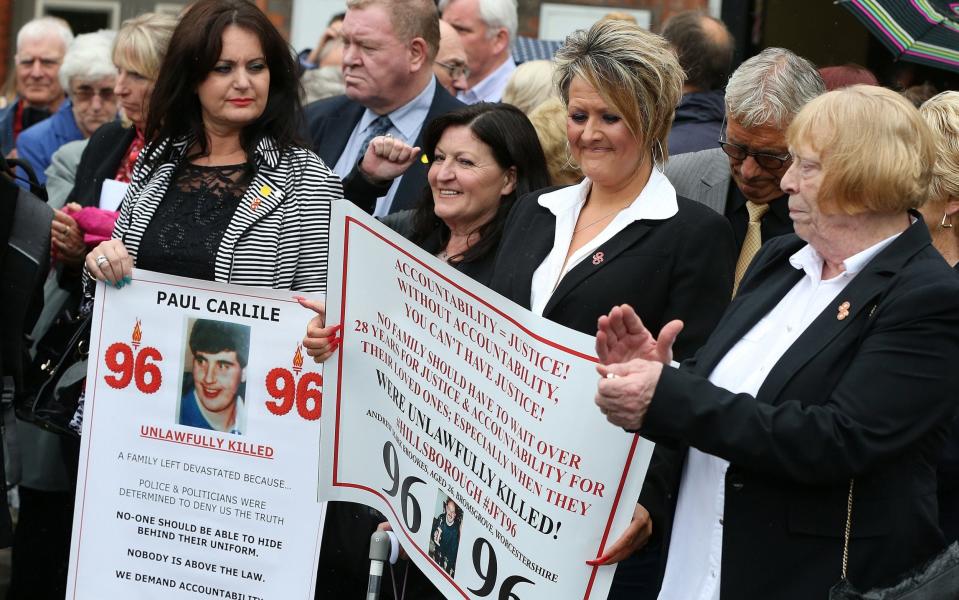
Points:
[(487, 29), (41, 44), (450, 66), (88, 75), (762, 97)]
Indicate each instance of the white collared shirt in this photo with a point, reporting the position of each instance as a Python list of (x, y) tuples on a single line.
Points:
[(693, 567), (492, 86), (656, 201), (407, 122)]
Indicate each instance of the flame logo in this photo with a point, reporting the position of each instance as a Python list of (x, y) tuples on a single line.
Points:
[(298, 359), (137, 334)]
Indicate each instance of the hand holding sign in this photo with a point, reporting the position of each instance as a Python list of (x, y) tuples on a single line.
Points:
[(320, 341)]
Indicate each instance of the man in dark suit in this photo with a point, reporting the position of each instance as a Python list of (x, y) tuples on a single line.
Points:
[(388, 54), (762, 97)]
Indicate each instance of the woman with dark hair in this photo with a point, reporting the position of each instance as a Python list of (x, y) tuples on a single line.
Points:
[(482, 158), (224, 191)]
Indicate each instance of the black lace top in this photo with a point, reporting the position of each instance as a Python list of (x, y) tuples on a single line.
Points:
[(184, 234)]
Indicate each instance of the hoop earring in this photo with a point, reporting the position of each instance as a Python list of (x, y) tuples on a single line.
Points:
[(946, 222), (569, 164), (661, 156)]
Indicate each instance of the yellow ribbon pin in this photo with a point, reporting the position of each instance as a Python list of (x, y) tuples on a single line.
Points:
[(424, 160)]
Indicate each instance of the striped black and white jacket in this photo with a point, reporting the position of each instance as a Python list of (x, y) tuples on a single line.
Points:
[(278, 236)]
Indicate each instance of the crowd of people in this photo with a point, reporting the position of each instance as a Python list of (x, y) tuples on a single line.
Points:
[(784, 232)]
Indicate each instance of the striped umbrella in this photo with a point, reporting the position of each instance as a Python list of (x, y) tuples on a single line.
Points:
[(921, 31)]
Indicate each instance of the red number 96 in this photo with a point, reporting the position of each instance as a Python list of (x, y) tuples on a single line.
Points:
[(305, 393), (119, 358)]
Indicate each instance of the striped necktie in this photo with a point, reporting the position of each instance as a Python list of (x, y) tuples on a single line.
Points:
[(379, 126), (752, 242)]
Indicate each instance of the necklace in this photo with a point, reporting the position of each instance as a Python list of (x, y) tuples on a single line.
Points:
[(603, 218)]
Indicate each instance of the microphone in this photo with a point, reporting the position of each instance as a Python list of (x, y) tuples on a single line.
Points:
[(383, 547)]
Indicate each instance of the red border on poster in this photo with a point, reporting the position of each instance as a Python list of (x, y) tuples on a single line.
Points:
[(339, 395)]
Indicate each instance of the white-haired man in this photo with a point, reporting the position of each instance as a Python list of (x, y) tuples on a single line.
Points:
[(762, 97), (88, 76), (41, 45), (487, 28)]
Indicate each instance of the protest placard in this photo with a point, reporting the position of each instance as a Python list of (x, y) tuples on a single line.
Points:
[(200, 446), (470, 423)]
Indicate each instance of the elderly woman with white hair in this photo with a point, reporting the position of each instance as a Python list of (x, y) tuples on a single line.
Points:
[(88, 76)]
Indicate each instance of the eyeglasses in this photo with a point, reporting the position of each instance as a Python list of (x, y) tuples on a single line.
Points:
[(770, 162), (456, 70), (85, 93)]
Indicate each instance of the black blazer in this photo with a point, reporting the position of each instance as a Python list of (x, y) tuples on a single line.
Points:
[(866, 397), (100, 160), (330, 124), (480, 270), (676, 268)]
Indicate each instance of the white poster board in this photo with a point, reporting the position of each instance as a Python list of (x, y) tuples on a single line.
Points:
[(470, 423), (168, 507)]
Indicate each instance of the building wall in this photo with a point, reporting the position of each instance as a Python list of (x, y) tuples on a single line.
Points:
[(660, 9), (13, 14), (6, 50)]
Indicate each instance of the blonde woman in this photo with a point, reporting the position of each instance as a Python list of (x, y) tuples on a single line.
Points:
[(549, 120), (941, 112), (622, 235), (530, 85)]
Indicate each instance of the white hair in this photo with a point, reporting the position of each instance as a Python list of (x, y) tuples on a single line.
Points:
[(495, 13), (89, 58), (43, 27), (771, 88)]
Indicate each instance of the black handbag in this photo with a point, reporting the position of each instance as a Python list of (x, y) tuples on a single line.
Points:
[(938, 579), (57, 374)]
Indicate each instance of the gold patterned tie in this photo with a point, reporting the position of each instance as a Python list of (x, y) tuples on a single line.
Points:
[(752, 241)]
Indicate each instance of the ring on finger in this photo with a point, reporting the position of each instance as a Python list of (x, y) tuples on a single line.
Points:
[(102, 259)]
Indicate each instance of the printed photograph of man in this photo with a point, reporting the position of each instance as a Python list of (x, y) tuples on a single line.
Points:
[(445, 534), (214, 377)]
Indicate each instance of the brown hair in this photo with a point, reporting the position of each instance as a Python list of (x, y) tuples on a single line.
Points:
[(194, 50)]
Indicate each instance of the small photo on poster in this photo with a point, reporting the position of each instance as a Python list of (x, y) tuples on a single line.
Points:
[(214, 376), (445, 534)]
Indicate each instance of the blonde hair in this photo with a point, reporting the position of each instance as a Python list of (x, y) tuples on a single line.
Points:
[(634, 71), (549, 121), (530, 85), (941, 112), (875, 149), (142, 42)]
